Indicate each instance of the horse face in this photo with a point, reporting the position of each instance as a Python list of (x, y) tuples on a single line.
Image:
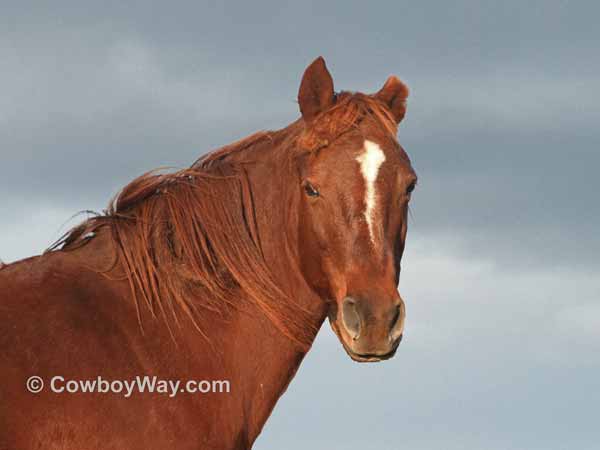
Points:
[(353, 222), (353, 230)]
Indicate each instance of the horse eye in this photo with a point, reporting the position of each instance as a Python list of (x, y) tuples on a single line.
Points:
[(310, 190), (411, 187)]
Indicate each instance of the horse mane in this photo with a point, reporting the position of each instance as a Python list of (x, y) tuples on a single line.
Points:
[(189, 239)]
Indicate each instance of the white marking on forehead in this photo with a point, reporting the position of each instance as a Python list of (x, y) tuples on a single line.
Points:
[(370, 161)]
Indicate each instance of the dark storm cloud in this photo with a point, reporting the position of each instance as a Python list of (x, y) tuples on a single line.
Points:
[(93, 100)]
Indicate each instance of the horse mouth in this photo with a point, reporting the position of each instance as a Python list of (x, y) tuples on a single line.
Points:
[(370, 357), (364, 357)]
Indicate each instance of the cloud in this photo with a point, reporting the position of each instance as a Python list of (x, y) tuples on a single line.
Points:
[(84, 116), (29, 231), (580, 322), (513, 99)]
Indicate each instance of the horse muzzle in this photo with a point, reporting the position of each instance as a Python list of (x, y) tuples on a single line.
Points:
[(369, 331)]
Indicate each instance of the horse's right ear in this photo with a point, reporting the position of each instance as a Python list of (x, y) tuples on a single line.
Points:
[(394, 94), (316, 90)]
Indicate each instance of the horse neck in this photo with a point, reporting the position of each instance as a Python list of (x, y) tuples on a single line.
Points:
[(259, 358), (245, 348)]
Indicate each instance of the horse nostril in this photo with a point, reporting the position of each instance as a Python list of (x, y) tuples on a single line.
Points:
[(351, 318), (395, 317), (397, 322)]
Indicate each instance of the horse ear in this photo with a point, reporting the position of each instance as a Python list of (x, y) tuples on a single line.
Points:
[(316, 90), (394, 94)]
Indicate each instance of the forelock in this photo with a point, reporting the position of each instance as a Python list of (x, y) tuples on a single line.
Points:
[(348, 112)]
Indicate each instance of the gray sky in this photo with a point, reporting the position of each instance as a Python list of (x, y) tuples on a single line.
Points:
[(500, 274)]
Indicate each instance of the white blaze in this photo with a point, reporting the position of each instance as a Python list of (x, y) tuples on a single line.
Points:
[(370, 161)]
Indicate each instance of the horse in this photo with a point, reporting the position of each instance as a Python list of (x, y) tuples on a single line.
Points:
[(221, 272)]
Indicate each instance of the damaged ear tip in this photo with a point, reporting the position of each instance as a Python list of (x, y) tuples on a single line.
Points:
[(394, 83), (394, 94)]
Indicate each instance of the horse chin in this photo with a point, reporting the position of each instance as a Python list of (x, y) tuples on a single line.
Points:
[(362, 358)]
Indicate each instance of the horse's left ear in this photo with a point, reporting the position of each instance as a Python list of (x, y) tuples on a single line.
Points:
[(316, 90), (394, 94)]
